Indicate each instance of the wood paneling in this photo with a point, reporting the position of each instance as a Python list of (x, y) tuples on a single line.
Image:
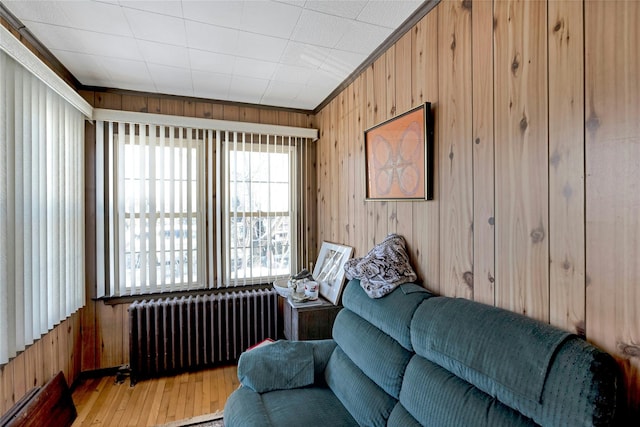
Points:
[(483, 153), (521, 169), (612, 81), (424, 244), (455, 146), (518, 88), (59, 350), (403, 93), (566, 166)]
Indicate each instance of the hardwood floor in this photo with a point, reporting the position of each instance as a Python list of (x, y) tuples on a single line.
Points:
[(102, 402)]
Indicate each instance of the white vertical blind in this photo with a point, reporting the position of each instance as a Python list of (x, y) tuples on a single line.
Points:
[(41, 208)]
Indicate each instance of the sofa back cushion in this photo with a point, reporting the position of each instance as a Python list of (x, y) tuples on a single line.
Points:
[(375, 353), (367, 403), (391, 314), (546, 374), (433, 396)]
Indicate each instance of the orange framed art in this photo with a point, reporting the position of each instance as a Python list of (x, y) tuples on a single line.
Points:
[(399, 157)]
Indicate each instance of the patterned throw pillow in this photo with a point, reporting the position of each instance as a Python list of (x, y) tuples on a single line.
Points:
[(385, 267)]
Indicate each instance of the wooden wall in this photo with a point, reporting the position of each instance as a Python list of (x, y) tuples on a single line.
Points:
[(59, 350), (105, 326), (537, 199)]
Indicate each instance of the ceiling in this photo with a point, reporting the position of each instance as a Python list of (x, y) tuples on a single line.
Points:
[(277, 53)]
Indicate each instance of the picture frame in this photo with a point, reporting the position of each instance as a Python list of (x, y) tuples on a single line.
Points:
[(399, 157), (329, 270)]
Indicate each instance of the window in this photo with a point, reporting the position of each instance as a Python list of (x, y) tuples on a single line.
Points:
[(160, 205), (183, 206), (156, 221), (259, 210), (41, 200)]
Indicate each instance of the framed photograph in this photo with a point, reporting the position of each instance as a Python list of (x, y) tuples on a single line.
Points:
[(329, 270), (399, 157)]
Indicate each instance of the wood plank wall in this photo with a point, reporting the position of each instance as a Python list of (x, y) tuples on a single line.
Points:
[(537, 207), (59, 350), (106, 326)]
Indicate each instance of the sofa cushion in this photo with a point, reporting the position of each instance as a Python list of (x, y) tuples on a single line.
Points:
[(367, 403), (391, 314), (386, 365), (305, 407), (278, 366), (401, 418), (580, 386), (435, 397), (244, 408), (513, 350)]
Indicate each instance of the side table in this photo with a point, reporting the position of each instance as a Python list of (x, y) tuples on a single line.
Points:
[(308, 323)]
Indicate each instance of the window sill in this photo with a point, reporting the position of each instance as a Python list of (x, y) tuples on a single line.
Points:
[(128, 299)]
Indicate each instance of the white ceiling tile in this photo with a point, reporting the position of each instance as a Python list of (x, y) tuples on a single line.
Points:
[(248, 89), (174, 80), (57, 37), (211, 85), (290, 73), (253, 68), (312, 96), (320, 29), (41, 11), (370, 37), (345, 9), (211, 38), (165, 54), (86, 68), (170, 8), (281, 91), (211, 61), (323, 79), (97, 17), (260, 47), (128, 74), (340, 63), (388, 13), (82, 41), (270, 18), (304, 55), (159, 28), (223, 13)]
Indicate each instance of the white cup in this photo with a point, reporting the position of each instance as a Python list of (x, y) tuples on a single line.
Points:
[(311, 290)]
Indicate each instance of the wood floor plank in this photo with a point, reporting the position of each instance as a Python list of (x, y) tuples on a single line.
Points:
[(102, 402)]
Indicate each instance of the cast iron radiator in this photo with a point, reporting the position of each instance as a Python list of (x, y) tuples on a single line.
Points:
[(173, 335)]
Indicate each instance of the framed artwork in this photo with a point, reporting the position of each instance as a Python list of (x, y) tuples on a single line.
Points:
[(399, 157), (329, 270)]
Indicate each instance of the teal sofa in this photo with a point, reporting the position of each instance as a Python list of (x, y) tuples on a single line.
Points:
[(413, 358)]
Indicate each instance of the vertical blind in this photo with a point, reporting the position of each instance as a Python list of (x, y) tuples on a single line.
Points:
[(41, 208)]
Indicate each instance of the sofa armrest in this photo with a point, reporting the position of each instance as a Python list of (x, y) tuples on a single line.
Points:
[(284, 365)]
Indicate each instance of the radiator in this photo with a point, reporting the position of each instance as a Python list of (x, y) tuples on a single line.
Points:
[(172, 335)]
